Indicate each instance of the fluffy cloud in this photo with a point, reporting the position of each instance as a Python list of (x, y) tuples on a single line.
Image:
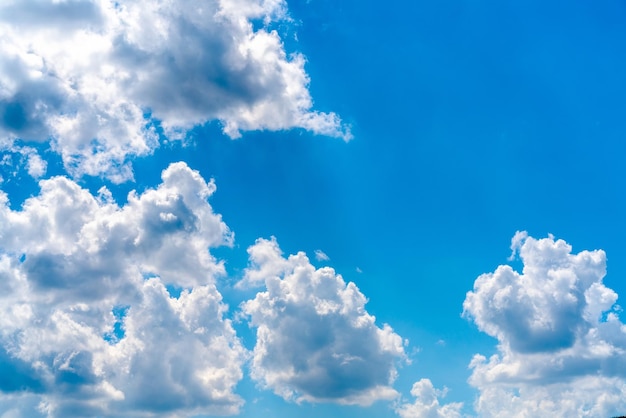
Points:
[(93, 75), (113, 311), (315, 340), (426, 403), (561, 344)]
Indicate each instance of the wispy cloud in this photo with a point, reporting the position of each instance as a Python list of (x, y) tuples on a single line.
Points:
[(16, 158), (321, 256)]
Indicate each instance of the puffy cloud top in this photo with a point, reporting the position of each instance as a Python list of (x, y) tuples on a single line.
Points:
[(427, 404), (561, 344), (558, 297), (91, 74), (315, 340)]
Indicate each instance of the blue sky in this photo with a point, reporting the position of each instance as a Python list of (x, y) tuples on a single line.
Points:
[(405, 145)]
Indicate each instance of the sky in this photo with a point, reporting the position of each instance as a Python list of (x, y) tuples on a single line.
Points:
[(304, 208)]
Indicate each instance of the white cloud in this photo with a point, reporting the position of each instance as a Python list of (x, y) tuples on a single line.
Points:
[(315, 340), (426, 404), (266, 261), (321, 256), (20, 405), (86, 74), (17, 157), (87, 325), (516, 243), (183, 356), (586, 396), (36, 166), (561, 345)]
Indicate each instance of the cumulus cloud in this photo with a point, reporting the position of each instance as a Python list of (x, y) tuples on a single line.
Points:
[(315, 340), (92, 76), (426, 404), (88, 326), (561, 344)]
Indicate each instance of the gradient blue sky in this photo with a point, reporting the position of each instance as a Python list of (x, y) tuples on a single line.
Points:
[(470, 121)]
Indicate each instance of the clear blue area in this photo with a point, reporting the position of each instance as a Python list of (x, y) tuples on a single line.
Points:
[(118, 332)]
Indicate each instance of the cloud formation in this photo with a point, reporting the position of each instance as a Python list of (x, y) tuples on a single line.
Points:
[(426, 404), (561, 344), (113, 311), (315, 340), (321, 256), (16, 158), (93, 76)]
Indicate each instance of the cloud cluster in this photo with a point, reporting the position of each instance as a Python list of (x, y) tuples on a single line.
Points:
[(426, 404), (113, 311), (109, 310), (93, 76), (561, 344), (315, 340), (16, 158)]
